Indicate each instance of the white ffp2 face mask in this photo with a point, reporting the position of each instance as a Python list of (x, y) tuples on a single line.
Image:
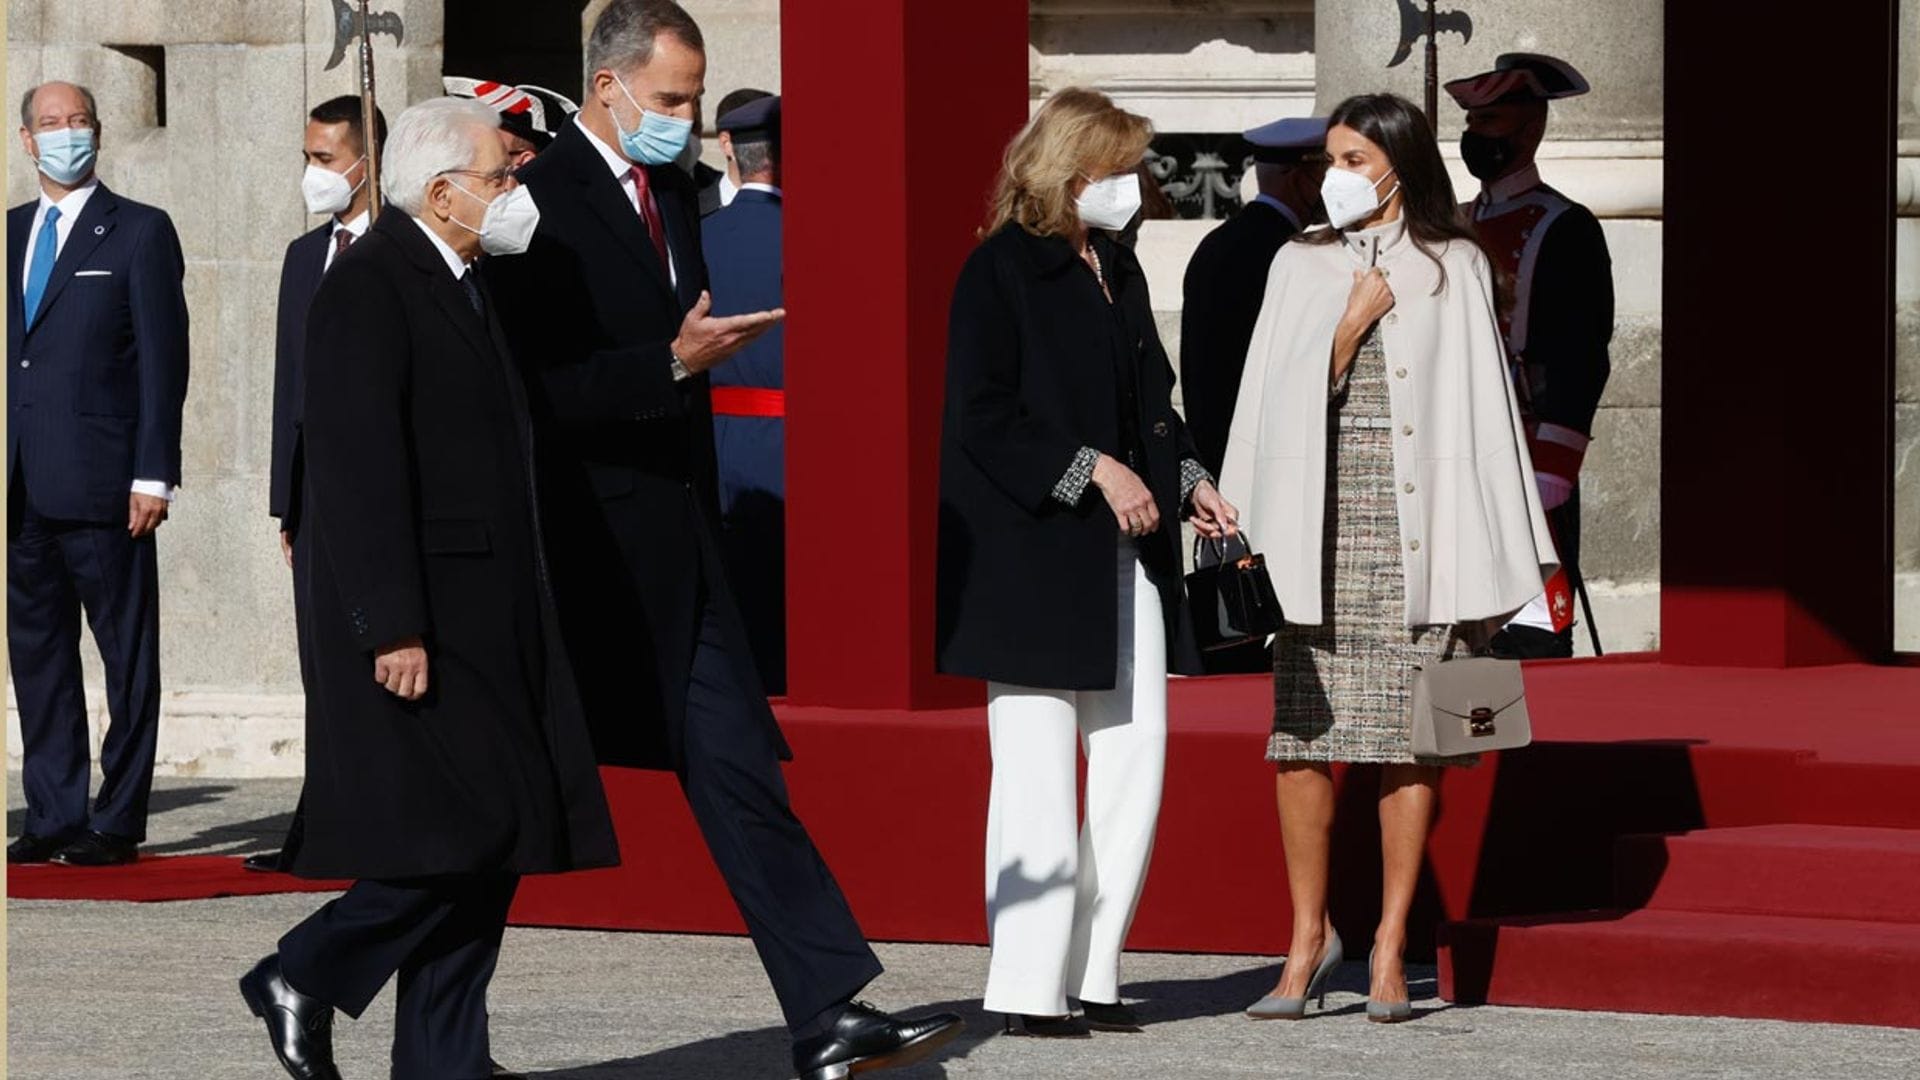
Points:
[(1350, 196), (1110, 203), (326, 191), (507, 228)]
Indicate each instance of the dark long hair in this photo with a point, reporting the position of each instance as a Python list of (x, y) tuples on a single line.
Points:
[(1427, 203)]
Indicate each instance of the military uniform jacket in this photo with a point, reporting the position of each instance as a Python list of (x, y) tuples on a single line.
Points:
[(1560, 318)]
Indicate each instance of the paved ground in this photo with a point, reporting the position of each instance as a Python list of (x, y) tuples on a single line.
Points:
[(111, 990)]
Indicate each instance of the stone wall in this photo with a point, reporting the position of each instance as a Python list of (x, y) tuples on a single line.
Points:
[(233, 80)]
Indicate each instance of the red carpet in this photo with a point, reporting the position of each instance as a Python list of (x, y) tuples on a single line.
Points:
[(166, 877)]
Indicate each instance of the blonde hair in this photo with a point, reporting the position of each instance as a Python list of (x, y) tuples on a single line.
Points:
[(1076, 131)]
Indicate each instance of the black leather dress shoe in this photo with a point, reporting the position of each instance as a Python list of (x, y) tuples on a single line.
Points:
[(98, 849), (36, 849), (299, 1027), (864, 1039), (267, 862), (1118, 1016)]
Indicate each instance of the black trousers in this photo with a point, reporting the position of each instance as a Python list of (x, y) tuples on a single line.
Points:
[(811, 946), (56, 569), (440, 935)]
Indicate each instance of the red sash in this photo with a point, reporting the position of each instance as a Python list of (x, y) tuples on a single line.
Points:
[(749, 401)]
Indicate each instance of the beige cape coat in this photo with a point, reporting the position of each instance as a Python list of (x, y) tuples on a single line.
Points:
[(1474, 538)]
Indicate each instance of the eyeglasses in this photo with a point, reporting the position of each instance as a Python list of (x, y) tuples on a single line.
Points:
[(498, 176)]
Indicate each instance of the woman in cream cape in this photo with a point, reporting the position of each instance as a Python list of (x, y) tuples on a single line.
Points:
[(1377, 450)]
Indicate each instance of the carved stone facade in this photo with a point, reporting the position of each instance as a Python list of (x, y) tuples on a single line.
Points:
[(202, 104)]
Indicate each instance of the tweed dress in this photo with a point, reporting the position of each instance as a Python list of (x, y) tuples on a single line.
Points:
[(1341, 689)]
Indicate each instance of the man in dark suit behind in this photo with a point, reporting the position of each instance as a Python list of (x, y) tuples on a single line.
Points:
[(446, 752), (334, 184), (1227, 276), (97, 339), (609, 315), (1225, 283), (743, 249)]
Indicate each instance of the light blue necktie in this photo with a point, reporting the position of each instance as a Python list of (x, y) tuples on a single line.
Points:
[(45, 250)]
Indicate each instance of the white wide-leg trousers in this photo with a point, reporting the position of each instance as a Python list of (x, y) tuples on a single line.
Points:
[(1060, 896)]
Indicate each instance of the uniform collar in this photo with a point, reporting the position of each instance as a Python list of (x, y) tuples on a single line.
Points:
[(1286, 211), (1511, 186)]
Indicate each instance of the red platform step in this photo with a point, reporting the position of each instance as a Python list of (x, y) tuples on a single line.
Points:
[(1689, 963), (1813, 871)]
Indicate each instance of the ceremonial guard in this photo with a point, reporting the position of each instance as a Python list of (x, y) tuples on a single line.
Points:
[(1558, 318), (742, 242), (529, 115)]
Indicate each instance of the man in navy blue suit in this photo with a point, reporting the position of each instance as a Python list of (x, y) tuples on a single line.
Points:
[(742, 243), (334, 184), (97, 378)]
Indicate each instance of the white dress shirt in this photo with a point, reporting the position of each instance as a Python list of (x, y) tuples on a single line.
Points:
[(757, 186), (456, 265), (727, 190), (72, 205), (358, 227), (623, 172)]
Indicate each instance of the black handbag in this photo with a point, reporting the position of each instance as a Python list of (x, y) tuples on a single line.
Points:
[(1230, 594)]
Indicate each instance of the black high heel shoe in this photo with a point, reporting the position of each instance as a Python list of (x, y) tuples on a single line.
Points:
[(1048, 1027)]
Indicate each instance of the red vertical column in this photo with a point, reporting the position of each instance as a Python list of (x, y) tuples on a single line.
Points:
[(895, 116), (1777, 398)]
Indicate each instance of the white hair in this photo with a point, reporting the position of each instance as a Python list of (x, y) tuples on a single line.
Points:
[(430, 138)]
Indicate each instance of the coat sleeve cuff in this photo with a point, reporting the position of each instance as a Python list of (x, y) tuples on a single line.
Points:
[(1072, 485), (1191, 474)]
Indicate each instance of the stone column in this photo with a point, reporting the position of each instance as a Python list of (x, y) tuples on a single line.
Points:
[(1616, 45), (236, 78)]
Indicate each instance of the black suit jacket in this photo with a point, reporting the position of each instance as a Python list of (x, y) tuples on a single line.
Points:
[(1225, 284), (95, 388), (1035, 359), (627, 462), (421, 520), (300, 271)]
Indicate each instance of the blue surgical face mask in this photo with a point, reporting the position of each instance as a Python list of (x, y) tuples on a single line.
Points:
[(659, 138), (66, 154)]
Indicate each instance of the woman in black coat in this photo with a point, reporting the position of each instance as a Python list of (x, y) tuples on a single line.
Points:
[(1064, 471)]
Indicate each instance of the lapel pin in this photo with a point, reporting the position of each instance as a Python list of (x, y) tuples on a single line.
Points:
[(99, 230)]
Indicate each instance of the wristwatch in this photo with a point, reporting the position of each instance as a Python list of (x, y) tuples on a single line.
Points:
[(679, 370)]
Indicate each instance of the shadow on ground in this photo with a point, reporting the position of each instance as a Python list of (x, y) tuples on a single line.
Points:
[(762, 1054), (227, 838)]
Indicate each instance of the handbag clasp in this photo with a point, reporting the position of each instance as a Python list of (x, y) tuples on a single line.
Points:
[(1480, 722)]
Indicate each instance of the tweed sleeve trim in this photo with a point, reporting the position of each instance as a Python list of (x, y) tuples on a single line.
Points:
[(1073, 484), (1191, 474)]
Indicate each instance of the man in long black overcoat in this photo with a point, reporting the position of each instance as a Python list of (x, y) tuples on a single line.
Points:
[(446, 750)]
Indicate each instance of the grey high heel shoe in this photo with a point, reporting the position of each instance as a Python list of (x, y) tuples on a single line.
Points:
[(1275, 1007), (1385, 1012)]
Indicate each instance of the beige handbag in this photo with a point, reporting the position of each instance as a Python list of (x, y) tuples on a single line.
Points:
[(1469, 706)]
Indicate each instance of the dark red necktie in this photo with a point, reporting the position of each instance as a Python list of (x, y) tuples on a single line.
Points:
[(650, 215)]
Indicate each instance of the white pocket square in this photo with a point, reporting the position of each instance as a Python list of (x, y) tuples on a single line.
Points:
[(93, 273)]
